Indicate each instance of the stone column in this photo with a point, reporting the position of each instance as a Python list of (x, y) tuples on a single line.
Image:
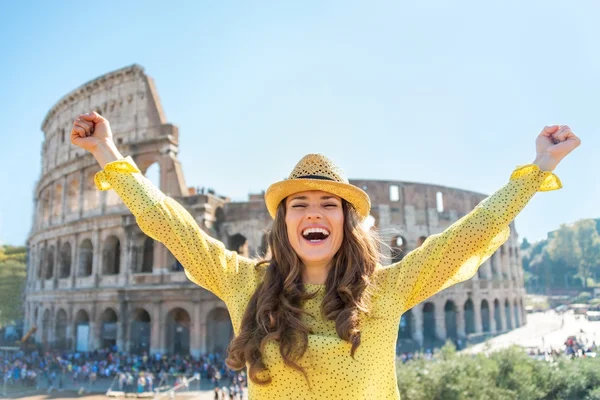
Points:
[(503, 316), (477, 316), (75, 261), (195, 334), (205, 308), (97, 256), (81, 191), (69, 336), (51, 213), (511, 306), (440, 322), (417, 312), (95, 326), (122, 322), (460, 321), (157, 344), (63, 211), (493, 327)]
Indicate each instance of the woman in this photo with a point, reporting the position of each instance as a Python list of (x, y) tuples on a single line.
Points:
[(320, 319)]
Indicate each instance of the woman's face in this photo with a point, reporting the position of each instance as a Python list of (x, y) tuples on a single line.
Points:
[(315, 226)]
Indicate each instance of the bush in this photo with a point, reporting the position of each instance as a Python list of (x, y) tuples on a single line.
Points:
[(505, 375)]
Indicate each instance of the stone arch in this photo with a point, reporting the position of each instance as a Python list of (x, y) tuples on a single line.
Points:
[(148, 255), (406, 325), (469, 317), (86, 258), (65, 260), (82, 330), (398, 248), (108, 328), (508, 315), (219, 330), (46, 320), (485, 316), (178, 327), (141, 328), (517, 314), (152, 172), (111, 256), (450, 320), (497, 316), (61, 330), (49, 263), (429, 335), (73, 195)]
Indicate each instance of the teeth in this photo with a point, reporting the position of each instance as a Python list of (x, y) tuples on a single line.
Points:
[(315, 230)]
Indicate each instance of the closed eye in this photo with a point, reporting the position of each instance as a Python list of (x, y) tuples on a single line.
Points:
[(330, 205)]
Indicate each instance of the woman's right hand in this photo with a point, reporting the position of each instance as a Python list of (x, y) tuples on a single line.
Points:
[(91, 130)]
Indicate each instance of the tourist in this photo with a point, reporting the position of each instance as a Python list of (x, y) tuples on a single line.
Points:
[(322, 315)]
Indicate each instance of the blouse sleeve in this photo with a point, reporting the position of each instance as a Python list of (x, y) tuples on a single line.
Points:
[(205, 260), (454, 255)]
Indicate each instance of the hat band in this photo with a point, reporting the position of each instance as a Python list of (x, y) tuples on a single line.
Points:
[(325, 178)]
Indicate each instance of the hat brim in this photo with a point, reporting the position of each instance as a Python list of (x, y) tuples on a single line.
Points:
[(352, 194)]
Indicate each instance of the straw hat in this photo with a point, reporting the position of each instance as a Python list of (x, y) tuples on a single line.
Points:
[(317, 172)]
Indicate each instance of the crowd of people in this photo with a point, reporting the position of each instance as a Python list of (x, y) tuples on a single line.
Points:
[(118, 371), (574, 347)]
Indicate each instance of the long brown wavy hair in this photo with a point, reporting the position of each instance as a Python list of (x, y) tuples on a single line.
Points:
[(275, 309)]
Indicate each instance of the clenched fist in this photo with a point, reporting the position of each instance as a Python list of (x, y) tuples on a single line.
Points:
[(90, 130), (553, 144)]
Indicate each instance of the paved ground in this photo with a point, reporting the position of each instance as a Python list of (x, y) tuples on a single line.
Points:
[(544, 330)]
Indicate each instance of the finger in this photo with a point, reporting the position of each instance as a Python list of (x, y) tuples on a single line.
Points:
[(562, 133), (92, 117), (83, 126), (77, 132), (549, 130)]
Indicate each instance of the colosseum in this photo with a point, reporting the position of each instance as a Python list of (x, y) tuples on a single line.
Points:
[(95, 280)]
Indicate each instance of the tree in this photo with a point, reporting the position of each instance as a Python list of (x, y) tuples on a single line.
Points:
[(12, 283), (588, 240)]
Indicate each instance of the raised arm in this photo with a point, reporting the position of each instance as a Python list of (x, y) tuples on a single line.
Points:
[(454, 255), (206, 261)]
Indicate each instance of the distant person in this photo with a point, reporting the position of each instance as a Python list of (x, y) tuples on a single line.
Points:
[(322, 315)]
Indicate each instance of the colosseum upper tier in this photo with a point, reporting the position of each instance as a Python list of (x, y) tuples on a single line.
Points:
[(95, 280)]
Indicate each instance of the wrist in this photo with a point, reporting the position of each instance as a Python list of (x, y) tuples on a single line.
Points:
[(105, 152), (545, 162)]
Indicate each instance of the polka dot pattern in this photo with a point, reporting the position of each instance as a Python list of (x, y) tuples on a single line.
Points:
[(442, 261)]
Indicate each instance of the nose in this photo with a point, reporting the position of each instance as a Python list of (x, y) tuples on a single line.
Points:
[(313, 214)]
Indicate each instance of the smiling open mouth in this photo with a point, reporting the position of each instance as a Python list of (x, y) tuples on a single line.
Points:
[(315, 235)]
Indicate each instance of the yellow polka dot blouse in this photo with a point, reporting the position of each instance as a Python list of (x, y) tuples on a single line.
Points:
[(443, 260)]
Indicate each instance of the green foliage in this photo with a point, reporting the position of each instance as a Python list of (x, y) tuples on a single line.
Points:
[(570, 258), (12, 283), (505, 375)]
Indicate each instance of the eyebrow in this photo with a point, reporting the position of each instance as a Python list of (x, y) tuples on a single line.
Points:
[(306, 198)]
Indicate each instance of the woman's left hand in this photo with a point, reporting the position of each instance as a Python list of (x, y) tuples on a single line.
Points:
[(553, 144)]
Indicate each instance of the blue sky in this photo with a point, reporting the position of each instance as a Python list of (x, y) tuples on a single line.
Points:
[(452, 93)]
